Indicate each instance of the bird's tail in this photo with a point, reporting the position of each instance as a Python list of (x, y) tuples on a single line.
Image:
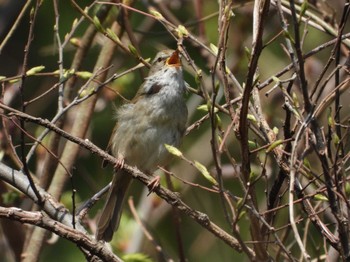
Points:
[(111, 213)]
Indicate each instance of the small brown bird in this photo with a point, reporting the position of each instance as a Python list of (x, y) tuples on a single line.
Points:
[(157, 116)]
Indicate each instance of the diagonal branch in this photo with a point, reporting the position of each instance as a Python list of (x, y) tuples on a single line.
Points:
[(80, 238)]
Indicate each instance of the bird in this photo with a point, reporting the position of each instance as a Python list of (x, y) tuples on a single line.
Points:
[(155, 117)]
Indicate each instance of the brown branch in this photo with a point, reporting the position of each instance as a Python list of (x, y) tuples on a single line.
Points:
[(25, 168), (81, 239), (263, 9), (307, 55)]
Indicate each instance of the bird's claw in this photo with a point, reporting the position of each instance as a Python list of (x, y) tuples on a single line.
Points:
[(153, 184), (119, 164)]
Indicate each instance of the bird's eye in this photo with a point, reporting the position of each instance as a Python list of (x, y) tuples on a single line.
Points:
[(160, 59)]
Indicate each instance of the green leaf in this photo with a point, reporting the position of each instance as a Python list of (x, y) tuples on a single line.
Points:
[(206, 107), (347, 188), (204, 171), (14, 81), (288, 36), (330, 118), (214, 48), (228, 12), (182, 31), (217, 86), (243, 212), (68, 73), (156, 14), (218, 120), (112, 35), (198, 77), (274, 145), (133, 50), (84, 74), (252, 144), (173, 150), (97, 24), (203, 108), (320, 197), (35, 70), (303, 8), (75, 22), (276, 79), (75, 41), (84, 93), (307, 164), (335, 138), (295, 100), (251, 118), (136, 257), (239, 203)]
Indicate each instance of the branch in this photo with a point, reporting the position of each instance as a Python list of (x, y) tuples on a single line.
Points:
[(53, 208), (80, 238)]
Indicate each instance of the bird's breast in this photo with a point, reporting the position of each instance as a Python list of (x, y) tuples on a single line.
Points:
[(145, 127)]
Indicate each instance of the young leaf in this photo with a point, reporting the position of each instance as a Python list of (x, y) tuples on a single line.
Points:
[(75, 22), (252, 144), (204, 171), (136, 257), (251, 118), (335, 138), (84, 74), (347, 188), (274, 145), (198, 77), (75, 41), (35, 70), (173, 150), (133, 50), (320, 197), (182, 31), (98, 24), (113, 35), (156, 14), (214, 48)]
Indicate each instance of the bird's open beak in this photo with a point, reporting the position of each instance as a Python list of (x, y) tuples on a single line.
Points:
[(174, 59)]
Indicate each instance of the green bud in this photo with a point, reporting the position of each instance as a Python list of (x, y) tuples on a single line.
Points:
[(84, 74), (204, 171), (173, 150), (35, 70), (133, 50), (111, 34), (214, 48), (97, 24), (182, 31)]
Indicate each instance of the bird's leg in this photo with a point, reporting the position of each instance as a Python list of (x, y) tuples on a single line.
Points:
[(120, 163), (153, 184)]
